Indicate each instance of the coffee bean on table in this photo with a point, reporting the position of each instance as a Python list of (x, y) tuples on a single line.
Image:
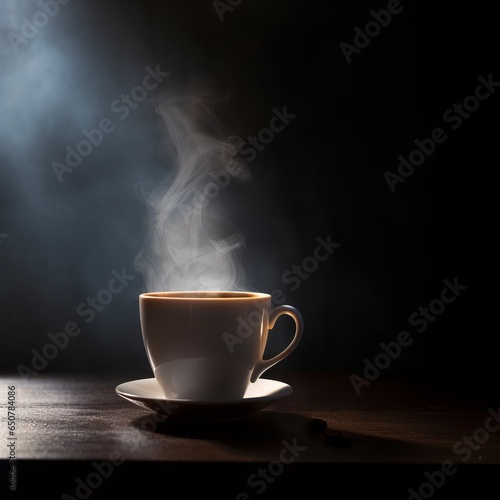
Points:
[(337, 438), (317, 424)]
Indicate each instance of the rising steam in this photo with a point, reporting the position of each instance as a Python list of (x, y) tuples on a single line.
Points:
[(190, 244)]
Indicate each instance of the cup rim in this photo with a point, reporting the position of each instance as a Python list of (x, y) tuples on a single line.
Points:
[(204, 295)]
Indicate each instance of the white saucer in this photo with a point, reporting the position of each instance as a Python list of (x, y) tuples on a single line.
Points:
[(146, 393)]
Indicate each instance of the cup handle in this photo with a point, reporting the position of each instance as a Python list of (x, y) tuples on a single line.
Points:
[(264, 364)]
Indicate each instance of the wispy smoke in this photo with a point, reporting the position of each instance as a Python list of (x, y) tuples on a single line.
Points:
[(190, 243)]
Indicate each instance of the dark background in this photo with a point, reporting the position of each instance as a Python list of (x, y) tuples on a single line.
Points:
[(322, 175)]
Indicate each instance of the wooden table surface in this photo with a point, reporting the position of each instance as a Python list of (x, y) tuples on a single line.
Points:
[(401, 434)]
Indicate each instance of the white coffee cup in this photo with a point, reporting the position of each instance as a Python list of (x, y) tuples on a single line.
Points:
[(210, 345)]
